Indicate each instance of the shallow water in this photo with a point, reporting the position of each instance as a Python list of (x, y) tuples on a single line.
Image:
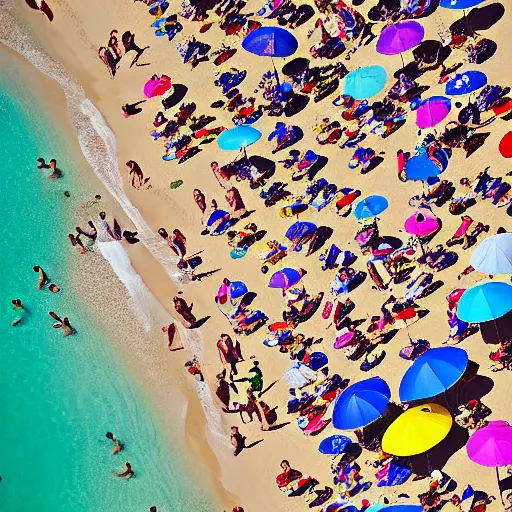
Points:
[(58, 396)]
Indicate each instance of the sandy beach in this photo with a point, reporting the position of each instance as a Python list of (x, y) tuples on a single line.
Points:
[(189, 411)]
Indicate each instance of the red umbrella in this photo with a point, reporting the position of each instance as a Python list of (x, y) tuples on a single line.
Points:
[(505, 146)]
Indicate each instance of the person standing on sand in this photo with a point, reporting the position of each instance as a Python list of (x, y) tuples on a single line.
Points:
[(222, 391), (127, 473), (237, 441), (43, 278), (229, 352), (117, 445), (185, 311)]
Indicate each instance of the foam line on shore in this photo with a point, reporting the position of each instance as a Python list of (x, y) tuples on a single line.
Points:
[(99, 146)]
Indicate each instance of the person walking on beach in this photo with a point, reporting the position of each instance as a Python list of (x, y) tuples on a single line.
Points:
[(117, 445), (185, 311), (237, 441), (127, 473), (131, 109), (43, 278), (255, 377)]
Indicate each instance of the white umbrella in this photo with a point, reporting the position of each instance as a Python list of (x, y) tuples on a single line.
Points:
[(494, 255), (299, 375)]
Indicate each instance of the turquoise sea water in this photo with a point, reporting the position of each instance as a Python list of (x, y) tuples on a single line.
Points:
[(58, 396)]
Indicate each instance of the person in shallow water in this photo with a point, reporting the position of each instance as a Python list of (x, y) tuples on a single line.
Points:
[(127, 473), (117, 445), (19, 310), (50, 170), (62, 324), (43, 278)]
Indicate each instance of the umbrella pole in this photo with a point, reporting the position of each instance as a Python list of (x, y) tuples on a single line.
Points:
[(499, 485), (402, 57), (428, 464), (277, 77), (497, 330)]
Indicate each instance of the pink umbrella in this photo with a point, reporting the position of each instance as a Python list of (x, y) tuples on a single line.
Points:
[(432, 111), (157, 86), (422, 223), (491, 445), (344, 338)]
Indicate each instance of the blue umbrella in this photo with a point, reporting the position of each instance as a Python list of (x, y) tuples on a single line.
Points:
[(371, 206), (334, 445), (484, 302), (421, 168), (459, 4), (238, 137), (270, 42), (494, 255), (465, 83), (435, 371), (361, 404), (285, 278), (402, 508), (364, 83), (238, 289)]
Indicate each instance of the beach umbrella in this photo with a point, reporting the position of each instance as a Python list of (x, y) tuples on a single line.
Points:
[(286, 278), (435, 371), (491, 446), (432, 111), (417, 430), (238, 138), (421, 168), (361, 404), (494, 255), (370, 206), (484, 302), (423, 223), (459, 4), (157, 86), (299, 375), (364, 83), (334, 445), (465, 83), (270, 42), (505, 147), (400, 37)]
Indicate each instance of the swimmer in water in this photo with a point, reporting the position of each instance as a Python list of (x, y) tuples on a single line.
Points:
[(18, 307), (117, 445), (54, 288), (97, 198), (56, 173), (62, 324), (127, 473), (43, 278)]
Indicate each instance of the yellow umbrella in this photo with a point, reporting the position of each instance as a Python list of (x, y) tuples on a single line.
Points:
[(417, 430)]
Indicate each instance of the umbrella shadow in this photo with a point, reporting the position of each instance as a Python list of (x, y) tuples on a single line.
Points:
[(317, 167), (496, 331), (207, 274), (296, 104), (483, 18), (476, 389), (437, 457), (265, 166), (370, 437), (295, 67), (177, 95)]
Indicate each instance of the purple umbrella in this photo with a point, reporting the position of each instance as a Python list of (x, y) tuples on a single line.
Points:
[(400, 37), (491, 445), (432, 111)]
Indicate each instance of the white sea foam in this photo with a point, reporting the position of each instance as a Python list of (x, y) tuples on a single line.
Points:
[(99, 146)]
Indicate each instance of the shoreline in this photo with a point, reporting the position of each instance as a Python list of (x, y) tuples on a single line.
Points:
[(148, 376)]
